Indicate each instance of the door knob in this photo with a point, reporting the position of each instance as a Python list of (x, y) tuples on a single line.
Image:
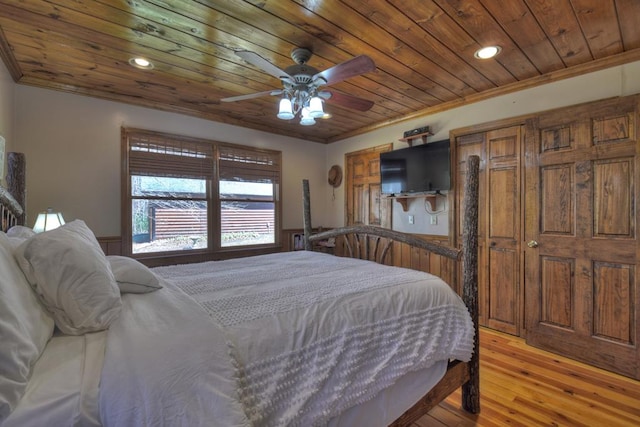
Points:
[(532, 244)]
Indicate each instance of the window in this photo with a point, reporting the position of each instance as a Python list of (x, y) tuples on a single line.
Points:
[(248, 188), (187, 196)]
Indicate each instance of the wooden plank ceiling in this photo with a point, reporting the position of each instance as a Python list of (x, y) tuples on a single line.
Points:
[(423, 51)]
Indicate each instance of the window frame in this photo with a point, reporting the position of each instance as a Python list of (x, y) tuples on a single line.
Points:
[(214, 249)]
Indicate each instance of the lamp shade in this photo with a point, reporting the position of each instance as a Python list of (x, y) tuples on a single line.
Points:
[(286, 109), (306, 119), (48, 220), (315, 107)]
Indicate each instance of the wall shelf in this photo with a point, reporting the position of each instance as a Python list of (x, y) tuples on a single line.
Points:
[(420, 136), (404, 200)]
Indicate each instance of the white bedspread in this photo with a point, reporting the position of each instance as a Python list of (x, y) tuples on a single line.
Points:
[(283, 339)]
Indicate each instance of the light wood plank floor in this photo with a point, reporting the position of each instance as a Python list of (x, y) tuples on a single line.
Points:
[(524, 386)]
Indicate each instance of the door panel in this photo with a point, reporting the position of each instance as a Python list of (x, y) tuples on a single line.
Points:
[(613, 291), (364, 204), (503, 266), (558, 287), (375, 210), (581, 180), (359, 201)]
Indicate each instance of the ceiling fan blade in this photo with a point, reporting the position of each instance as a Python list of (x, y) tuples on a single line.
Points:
[(353, 67), (260, 62), (252, 95), (348, 101)]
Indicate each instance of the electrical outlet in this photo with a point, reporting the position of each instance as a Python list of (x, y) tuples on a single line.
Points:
[(434, 219), (411, 219)]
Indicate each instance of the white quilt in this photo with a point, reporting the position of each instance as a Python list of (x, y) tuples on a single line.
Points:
[(284, 339)]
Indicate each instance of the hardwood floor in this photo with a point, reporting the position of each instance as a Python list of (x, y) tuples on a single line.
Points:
[(524, 386)]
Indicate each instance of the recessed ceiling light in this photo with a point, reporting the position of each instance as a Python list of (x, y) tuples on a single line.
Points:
[(487, 52), (142, 63)]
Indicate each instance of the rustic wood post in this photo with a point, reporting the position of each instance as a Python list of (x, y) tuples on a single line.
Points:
[(471, 389), (16, 182), (306, 199)]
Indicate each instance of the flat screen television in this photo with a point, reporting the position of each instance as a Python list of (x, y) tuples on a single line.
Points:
[(419, 169)]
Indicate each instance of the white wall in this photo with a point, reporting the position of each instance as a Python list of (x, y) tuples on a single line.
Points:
[(617, 81), (7, 115), (72, 147)]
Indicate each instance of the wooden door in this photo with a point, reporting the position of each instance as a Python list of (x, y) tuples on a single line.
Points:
[(582, 180), (499, 224), (365, 205), (502, 225), (364, 202)]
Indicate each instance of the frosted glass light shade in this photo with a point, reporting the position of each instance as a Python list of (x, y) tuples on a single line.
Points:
[(285, 111), (48, 220), (315, 107), (306, 119)]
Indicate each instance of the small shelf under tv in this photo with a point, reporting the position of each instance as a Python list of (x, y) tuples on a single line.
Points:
[(404, 200), (423, 136)]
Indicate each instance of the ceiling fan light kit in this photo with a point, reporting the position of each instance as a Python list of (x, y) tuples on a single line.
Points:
[(300, 94)]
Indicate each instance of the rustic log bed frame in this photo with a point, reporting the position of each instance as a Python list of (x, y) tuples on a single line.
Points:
[(458, 373)]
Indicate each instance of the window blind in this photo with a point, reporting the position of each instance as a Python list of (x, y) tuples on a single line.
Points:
[(161, 155), (249, 164)]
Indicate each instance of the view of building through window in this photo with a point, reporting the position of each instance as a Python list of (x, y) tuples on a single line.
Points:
[(170, 214), (247, 213)]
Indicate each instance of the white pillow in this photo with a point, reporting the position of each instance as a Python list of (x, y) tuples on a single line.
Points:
[(25, 328), (21, 231), (133, 276), (70, 273), (18, 234)]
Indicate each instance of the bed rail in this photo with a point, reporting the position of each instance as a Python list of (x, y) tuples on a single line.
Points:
[(368, 242), (10, 210)]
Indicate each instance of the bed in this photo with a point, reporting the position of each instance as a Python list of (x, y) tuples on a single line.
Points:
[(297, 338)]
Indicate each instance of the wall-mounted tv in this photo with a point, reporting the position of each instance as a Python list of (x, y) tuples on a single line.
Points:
[(419, 169)]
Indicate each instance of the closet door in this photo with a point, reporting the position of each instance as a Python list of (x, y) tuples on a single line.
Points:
[(502, 221), (581, 224), (364, 202), (499, 270)]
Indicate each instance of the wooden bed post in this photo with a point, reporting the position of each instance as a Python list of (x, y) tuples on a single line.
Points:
[(16, 182), (471, 389), (306, 218)]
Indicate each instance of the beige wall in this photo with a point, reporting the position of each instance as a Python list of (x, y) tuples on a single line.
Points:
[(6, 113), (72, 147), (617, 81)]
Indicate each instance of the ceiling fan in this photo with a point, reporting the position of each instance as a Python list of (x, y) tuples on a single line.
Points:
[(301, 94)]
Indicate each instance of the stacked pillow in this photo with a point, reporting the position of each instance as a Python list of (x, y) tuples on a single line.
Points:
[(60, 276), (25, 328), (132, 276), (72, 277)]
